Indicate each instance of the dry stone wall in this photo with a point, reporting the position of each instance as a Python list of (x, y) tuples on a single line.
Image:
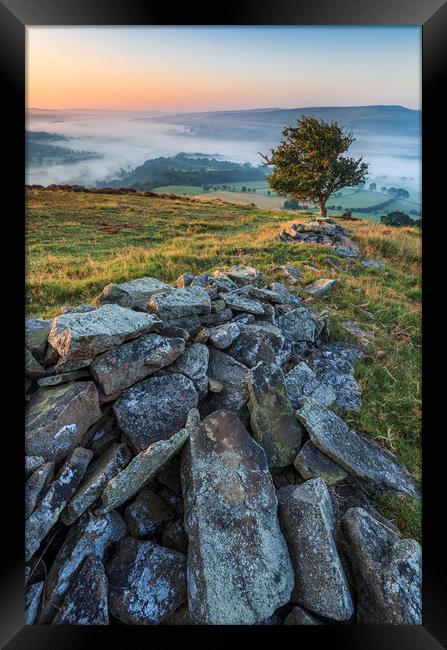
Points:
[(184, 464)]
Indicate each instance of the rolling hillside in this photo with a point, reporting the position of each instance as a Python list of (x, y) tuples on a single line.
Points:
[(77, 242)]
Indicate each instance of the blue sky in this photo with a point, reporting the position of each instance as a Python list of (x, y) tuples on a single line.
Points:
[(212, 68)]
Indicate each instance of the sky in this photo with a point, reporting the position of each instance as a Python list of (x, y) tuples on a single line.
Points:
[(184, 69)]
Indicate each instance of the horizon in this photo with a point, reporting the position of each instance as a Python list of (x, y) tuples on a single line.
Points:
[(223, 110), (214, 69)]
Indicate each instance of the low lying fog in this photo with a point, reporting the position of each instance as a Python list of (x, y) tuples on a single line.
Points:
[(126, 141)]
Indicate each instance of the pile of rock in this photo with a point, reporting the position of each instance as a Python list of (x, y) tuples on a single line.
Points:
[(184, 465), (324, 231)]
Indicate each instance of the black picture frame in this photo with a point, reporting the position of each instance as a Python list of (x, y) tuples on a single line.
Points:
[(15, 15)]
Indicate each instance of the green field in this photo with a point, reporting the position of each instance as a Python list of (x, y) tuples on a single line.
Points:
[(185, 190), (79, 242), (349, 199)]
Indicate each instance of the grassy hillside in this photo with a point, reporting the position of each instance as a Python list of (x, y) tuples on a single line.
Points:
[(79, 242)]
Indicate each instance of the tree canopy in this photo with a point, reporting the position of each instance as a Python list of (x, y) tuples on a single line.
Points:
[(309, 164)]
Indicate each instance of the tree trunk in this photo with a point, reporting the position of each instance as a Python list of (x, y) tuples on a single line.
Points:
[(323, 211)]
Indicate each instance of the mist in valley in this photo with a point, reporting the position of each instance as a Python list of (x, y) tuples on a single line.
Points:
[(123, 140)]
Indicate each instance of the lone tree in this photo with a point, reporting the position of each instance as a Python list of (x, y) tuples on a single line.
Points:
[(309, 165)]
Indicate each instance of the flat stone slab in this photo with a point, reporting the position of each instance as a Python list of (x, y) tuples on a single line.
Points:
[(238, 302), (57, 419), (124, 366), (243, 274), (83, 336), (386, 570), (147, 582), (193, 363), (232, 377), (141, 469), (259, 342), (312, 463), (61, 490), (100, 472), (155, 409), (86, 602), (134, 294), (273, 421), (261, 293), (308, 523), (64, 378), (90, 535), (180, 303), (355, 453), (147, 515), (239, 571), (321, 287)]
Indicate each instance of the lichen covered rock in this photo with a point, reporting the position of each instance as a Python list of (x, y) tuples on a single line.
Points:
[(273, 421), (239, 570), (386, 570), (155, 409), (57, 419), (308, 523), (147, 582)]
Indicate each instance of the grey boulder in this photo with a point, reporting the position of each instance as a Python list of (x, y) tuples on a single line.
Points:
[(308, 523), (299, 324), (134, 294), (57, 419), (59, 493), (222, 336), (90, 535), (148, 515), (386, 571), (239, 571), (259, 342), (36, 485), (355, 453), (147, 582), (273, 421), (232, 376), (100, 472), (83, 336), (155, 409), (312, 463), (141, 469), (193, 363), (86, 602), (181, 303), (124, 366), (37, 331)]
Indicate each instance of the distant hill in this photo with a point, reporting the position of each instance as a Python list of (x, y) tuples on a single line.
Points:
[(185, 169), (266, 124)]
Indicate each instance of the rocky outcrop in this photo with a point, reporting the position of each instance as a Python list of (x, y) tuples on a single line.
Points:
[(160, 423), (323, 231)]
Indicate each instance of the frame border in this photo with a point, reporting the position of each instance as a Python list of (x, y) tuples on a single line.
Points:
[(15, 15)]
